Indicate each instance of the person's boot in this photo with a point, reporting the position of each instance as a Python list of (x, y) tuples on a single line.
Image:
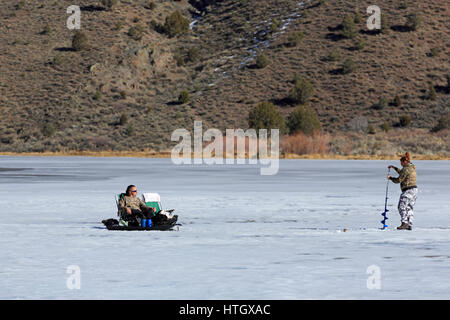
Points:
[(404, 226)]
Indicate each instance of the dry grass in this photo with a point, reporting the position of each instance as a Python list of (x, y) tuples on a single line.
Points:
[(421, 143), (130, 154), (159, 155), (396, 141), (302, 144), (362, 157)]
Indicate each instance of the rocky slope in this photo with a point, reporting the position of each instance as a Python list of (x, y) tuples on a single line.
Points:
[(122, 92)]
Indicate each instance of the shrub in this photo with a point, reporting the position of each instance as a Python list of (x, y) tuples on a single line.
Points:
[(381, 104), (385, 126), (431, 95), (46, 30), (262, 61), (183, 97), (357, 18), (7, 139), (176, 24), (183, 56), (303, 119), (333, 56), (348, 66), (443, 123), (192, 54), (360, 44), (300, 144), (48, 130), (371, 129), (97, 95), (404, 5), (79, 41), (384, 24), (434, 52), (397, 102), (20, 5), (348, 26), (108, 4), (123, 119), (302, 91), (266, 116), (178, 58), (57, 60), (295, 39), (136, 32), (274, 25), (129, 131), (157, 26), (404, 121), (151, 5), (413, 22)]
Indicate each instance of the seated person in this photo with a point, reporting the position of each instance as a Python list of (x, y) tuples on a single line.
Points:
[(132, 207)]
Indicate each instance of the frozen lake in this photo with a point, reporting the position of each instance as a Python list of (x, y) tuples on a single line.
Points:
[(243, 235)]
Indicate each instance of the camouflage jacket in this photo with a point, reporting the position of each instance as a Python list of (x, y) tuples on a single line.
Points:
[(407, 176), (132, 203)]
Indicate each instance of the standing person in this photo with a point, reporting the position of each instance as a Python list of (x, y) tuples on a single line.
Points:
[(408, 184)]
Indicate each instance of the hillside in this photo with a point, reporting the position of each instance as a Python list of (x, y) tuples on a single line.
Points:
[(121, 92)]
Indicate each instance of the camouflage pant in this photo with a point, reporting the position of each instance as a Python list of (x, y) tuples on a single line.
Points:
[(406, 204), (136, 215)]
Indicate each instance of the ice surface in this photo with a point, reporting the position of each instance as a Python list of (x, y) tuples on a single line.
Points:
[(244, 236)]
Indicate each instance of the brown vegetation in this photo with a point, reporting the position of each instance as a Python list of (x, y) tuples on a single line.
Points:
[(302, 144)]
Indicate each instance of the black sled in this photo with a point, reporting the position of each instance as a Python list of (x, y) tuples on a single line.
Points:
[(113, 224)]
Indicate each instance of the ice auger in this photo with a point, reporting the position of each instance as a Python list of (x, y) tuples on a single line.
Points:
[(385, 206)]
